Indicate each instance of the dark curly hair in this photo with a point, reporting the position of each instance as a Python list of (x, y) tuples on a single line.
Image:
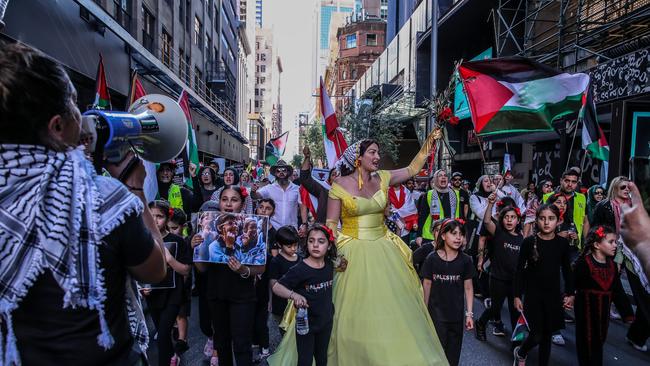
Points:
[(447, 226)]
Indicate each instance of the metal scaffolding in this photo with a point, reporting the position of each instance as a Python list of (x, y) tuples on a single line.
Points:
[(571, 35)]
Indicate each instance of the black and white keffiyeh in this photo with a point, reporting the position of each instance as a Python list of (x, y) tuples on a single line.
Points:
[(349, 156), (54, 212)]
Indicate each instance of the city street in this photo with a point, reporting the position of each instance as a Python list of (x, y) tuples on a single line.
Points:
[(494, 352)]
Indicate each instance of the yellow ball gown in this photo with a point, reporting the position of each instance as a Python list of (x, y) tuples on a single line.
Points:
[(380, 317)]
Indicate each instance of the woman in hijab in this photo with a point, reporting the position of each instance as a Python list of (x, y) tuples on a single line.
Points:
[(231, 178), (595, 194)]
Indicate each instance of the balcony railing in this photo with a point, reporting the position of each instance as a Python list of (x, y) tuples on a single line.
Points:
[(178, 66)]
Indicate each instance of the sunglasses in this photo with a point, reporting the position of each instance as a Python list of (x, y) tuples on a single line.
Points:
[(548, 185), (623, 187), (205, 174), (458, 179), (599, 193), (281, 170)]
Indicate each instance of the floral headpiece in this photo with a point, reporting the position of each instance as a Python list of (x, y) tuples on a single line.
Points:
[(330, 234), (170, 212), (600, 232), (517, 211), (244, 192)]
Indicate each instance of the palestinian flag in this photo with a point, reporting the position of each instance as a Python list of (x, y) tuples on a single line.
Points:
[(136, 91), (593, 138), (515, 95), (521, 329), (191, 152), (274, 149), (102, 96), (333, 139)]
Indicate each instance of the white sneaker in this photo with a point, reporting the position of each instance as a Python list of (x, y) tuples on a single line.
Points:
[(642, 348), (265, 353), (613, 314), (208, 348), (518, 360), (558, 340)]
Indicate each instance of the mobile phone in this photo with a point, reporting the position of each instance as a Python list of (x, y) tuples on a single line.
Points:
[(640, 175)]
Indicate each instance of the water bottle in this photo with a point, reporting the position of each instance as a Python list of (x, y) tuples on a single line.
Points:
[(302, 322)]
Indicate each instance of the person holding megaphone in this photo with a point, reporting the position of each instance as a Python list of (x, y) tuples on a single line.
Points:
[(71, 239)]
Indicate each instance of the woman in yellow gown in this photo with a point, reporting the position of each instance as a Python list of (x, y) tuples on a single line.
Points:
[(380, 317)]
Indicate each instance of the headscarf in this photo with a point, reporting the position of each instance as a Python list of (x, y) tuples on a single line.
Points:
[(478, 190), (349, 157), (591, 201)]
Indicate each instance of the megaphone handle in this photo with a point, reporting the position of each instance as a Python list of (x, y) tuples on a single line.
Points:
[(129, 168)]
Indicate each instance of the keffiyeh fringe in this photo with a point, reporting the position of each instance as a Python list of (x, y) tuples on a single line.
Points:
[(54, 212)]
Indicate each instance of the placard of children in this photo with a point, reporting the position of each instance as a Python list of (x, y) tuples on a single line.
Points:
[(227, 234)]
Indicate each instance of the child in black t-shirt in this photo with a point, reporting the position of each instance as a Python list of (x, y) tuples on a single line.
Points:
[(447, 283), (506, 242), (538, 278), (265, 207), (164, 299), (177, 225), (287, 239), (309, 285)]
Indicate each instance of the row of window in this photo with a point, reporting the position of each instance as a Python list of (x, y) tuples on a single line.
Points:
[(351, 40)]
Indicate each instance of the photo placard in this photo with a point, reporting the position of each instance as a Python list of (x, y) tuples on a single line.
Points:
[(226, 235)]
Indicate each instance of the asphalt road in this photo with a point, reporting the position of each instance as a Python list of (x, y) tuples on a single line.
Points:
[(496, 351)]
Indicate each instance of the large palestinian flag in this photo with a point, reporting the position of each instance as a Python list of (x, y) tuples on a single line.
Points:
[(102, 95), (515, 95), (274, 149)]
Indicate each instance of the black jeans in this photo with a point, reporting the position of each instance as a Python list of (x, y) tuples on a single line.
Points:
[(164, 320), (233, 324), (500, 291), (639, 330), (205, 319), (313, 346), (261, 332), (451, 339)]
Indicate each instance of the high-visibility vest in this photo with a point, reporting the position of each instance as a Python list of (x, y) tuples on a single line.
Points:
[(174, 196), (579, 211), (426, 230)]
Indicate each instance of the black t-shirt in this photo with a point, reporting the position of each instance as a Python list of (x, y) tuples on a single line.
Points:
[(505, 253), (278, 267), (159, 298), (420, 255), (315, 284), (446, 298), (48, 334), (226, 284), (541, 276)]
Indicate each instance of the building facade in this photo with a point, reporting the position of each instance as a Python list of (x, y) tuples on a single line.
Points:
[(173, 45), (359, 44)]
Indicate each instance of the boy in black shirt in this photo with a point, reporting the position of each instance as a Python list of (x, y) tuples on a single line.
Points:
[(287, 238)]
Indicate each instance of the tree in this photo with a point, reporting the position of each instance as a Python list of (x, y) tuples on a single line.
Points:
[(365, 124), (296, 161), (314, 139)]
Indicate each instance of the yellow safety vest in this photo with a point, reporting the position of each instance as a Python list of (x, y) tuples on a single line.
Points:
[(579, 211), (426, 230), (175, 197)]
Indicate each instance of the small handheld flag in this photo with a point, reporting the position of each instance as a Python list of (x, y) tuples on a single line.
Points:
[(521, 329)]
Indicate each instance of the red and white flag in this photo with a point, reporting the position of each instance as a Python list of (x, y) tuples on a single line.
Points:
[(333, 139)]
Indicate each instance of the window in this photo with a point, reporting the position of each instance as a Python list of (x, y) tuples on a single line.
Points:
[(123, 13), (167, 47), (262, 68), (263, 56), (188, 7), (371, 39), (262, 80), (198, 79), (351, 41), (148, 28), (216, 17), (343, 75), (208, 8), (257, 92), (181, 12), (198, 31), (262, 92), (257, 104), (353, 74), (257, 45)]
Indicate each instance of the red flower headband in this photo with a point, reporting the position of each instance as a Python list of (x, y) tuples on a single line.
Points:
[(244, 192), (517, 211), (600, 232), (170, 212), (500, 203), (461, 221), (330, 234)]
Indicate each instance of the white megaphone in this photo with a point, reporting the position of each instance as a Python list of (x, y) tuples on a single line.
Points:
[(155, 128)]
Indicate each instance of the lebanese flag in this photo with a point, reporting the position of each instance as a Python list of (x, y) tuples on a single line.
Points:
[(191, 153), (333, 139), (102, 95), (516, 95)]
